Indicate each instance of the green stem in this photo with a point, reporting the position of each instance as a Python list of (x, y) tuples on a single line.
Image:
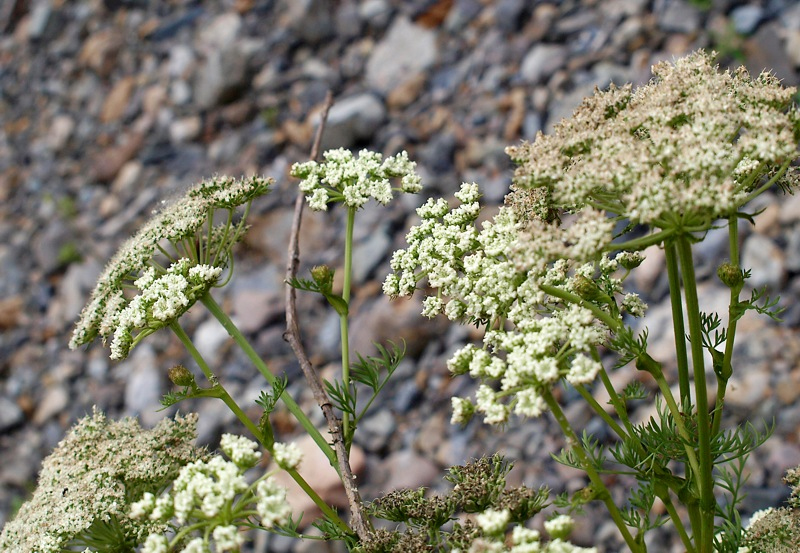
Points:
[(616, 401), (650, 365), (673, 272), (676, 520), (597, 483), (223, 394), (242, 342), (767, 185), (601, 412), (730, 334), (343, 318), (641, 243), (705, 476), (612, 323)]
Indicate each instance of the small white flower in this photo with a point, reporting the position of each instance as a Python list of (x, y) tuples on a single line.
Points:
[(559, 526), (240, 450), (462, 410), (583, 370), (227, 538), (493, 521), (287, 456), (271, 504), (197, 545), (155, 543)]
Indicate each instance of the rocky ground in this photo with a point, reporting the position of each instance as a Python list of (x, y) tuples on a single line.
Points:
[(110, 106)]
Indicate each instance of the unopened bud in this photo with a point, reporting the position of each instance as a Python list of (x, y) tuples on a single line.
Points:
[(588, 290), (730, 275), (629, 260), (181, 376), (323, 276)]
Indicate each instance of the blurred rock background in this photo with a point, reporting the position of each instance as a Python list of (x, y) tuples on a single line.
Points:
[(110, 106)]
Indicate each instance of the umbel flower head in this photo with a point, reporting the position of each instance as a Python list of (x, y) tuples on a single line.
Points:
[(86, 484), (353, 181), (171, 262), (485, 277), (693, 145), (211, 501)]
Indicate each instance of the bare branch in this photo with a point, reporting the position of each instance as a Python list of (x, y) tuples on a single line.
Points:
[(358, 518)]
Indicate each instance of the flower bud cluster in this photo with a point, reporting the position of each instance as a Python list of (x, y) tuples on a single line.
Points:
[(353, 181)]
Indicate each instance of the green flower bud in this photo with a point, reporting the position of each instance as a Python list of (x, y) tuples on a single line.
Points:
[(181, 376), (588, 290), (730, 275), (323, 276), (630, 260)]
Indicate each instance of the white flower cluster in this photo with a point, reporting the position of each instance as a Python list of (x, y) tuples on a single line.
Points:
[(353, 181), (495, 276), (214, 498), (287, 456), (243, 452), (162, 299), (694, 143), (523, 540), (75, 496), (186, 224)]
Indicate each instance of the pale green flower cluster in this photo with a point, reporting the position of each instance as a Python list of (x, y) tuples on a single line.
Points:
[(692, 145), (212, 498), (353, 181), (199, 251), (522, 540), (491, 276), (86, 484)]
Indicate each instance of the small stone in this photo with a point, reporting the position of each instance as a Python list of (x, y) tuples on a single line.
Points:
[(792, 47), (375, 431), (407, 92), (10, 414), (747, 389), (405, 51), (117, 100), (44, 22), (107, 163), (144, 382), (793, 250), (220, 33), (209, 338), (542, 61), (100, 51), (60, 132), (186, 129), (221, 79), (352, 120), (746, 18), (766, 262), (254, 308), (679, 16), (395, 473), (369, 253), (127, 179), (311, 20), (53, 402)]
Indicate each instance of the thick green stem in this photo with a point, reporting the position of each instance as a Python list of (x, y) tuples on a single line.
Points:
[(343, 318), (640, 243), (597, 483), (673, 272), (223, 394), (242, 342), (705, 477)]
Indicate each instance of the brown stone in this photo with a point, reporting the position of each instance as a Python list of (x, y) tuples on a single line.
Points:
[(117, 100)]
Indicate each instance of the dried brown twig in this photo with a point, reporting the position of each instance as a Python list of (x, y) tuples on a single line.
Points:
[(358, 519)]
